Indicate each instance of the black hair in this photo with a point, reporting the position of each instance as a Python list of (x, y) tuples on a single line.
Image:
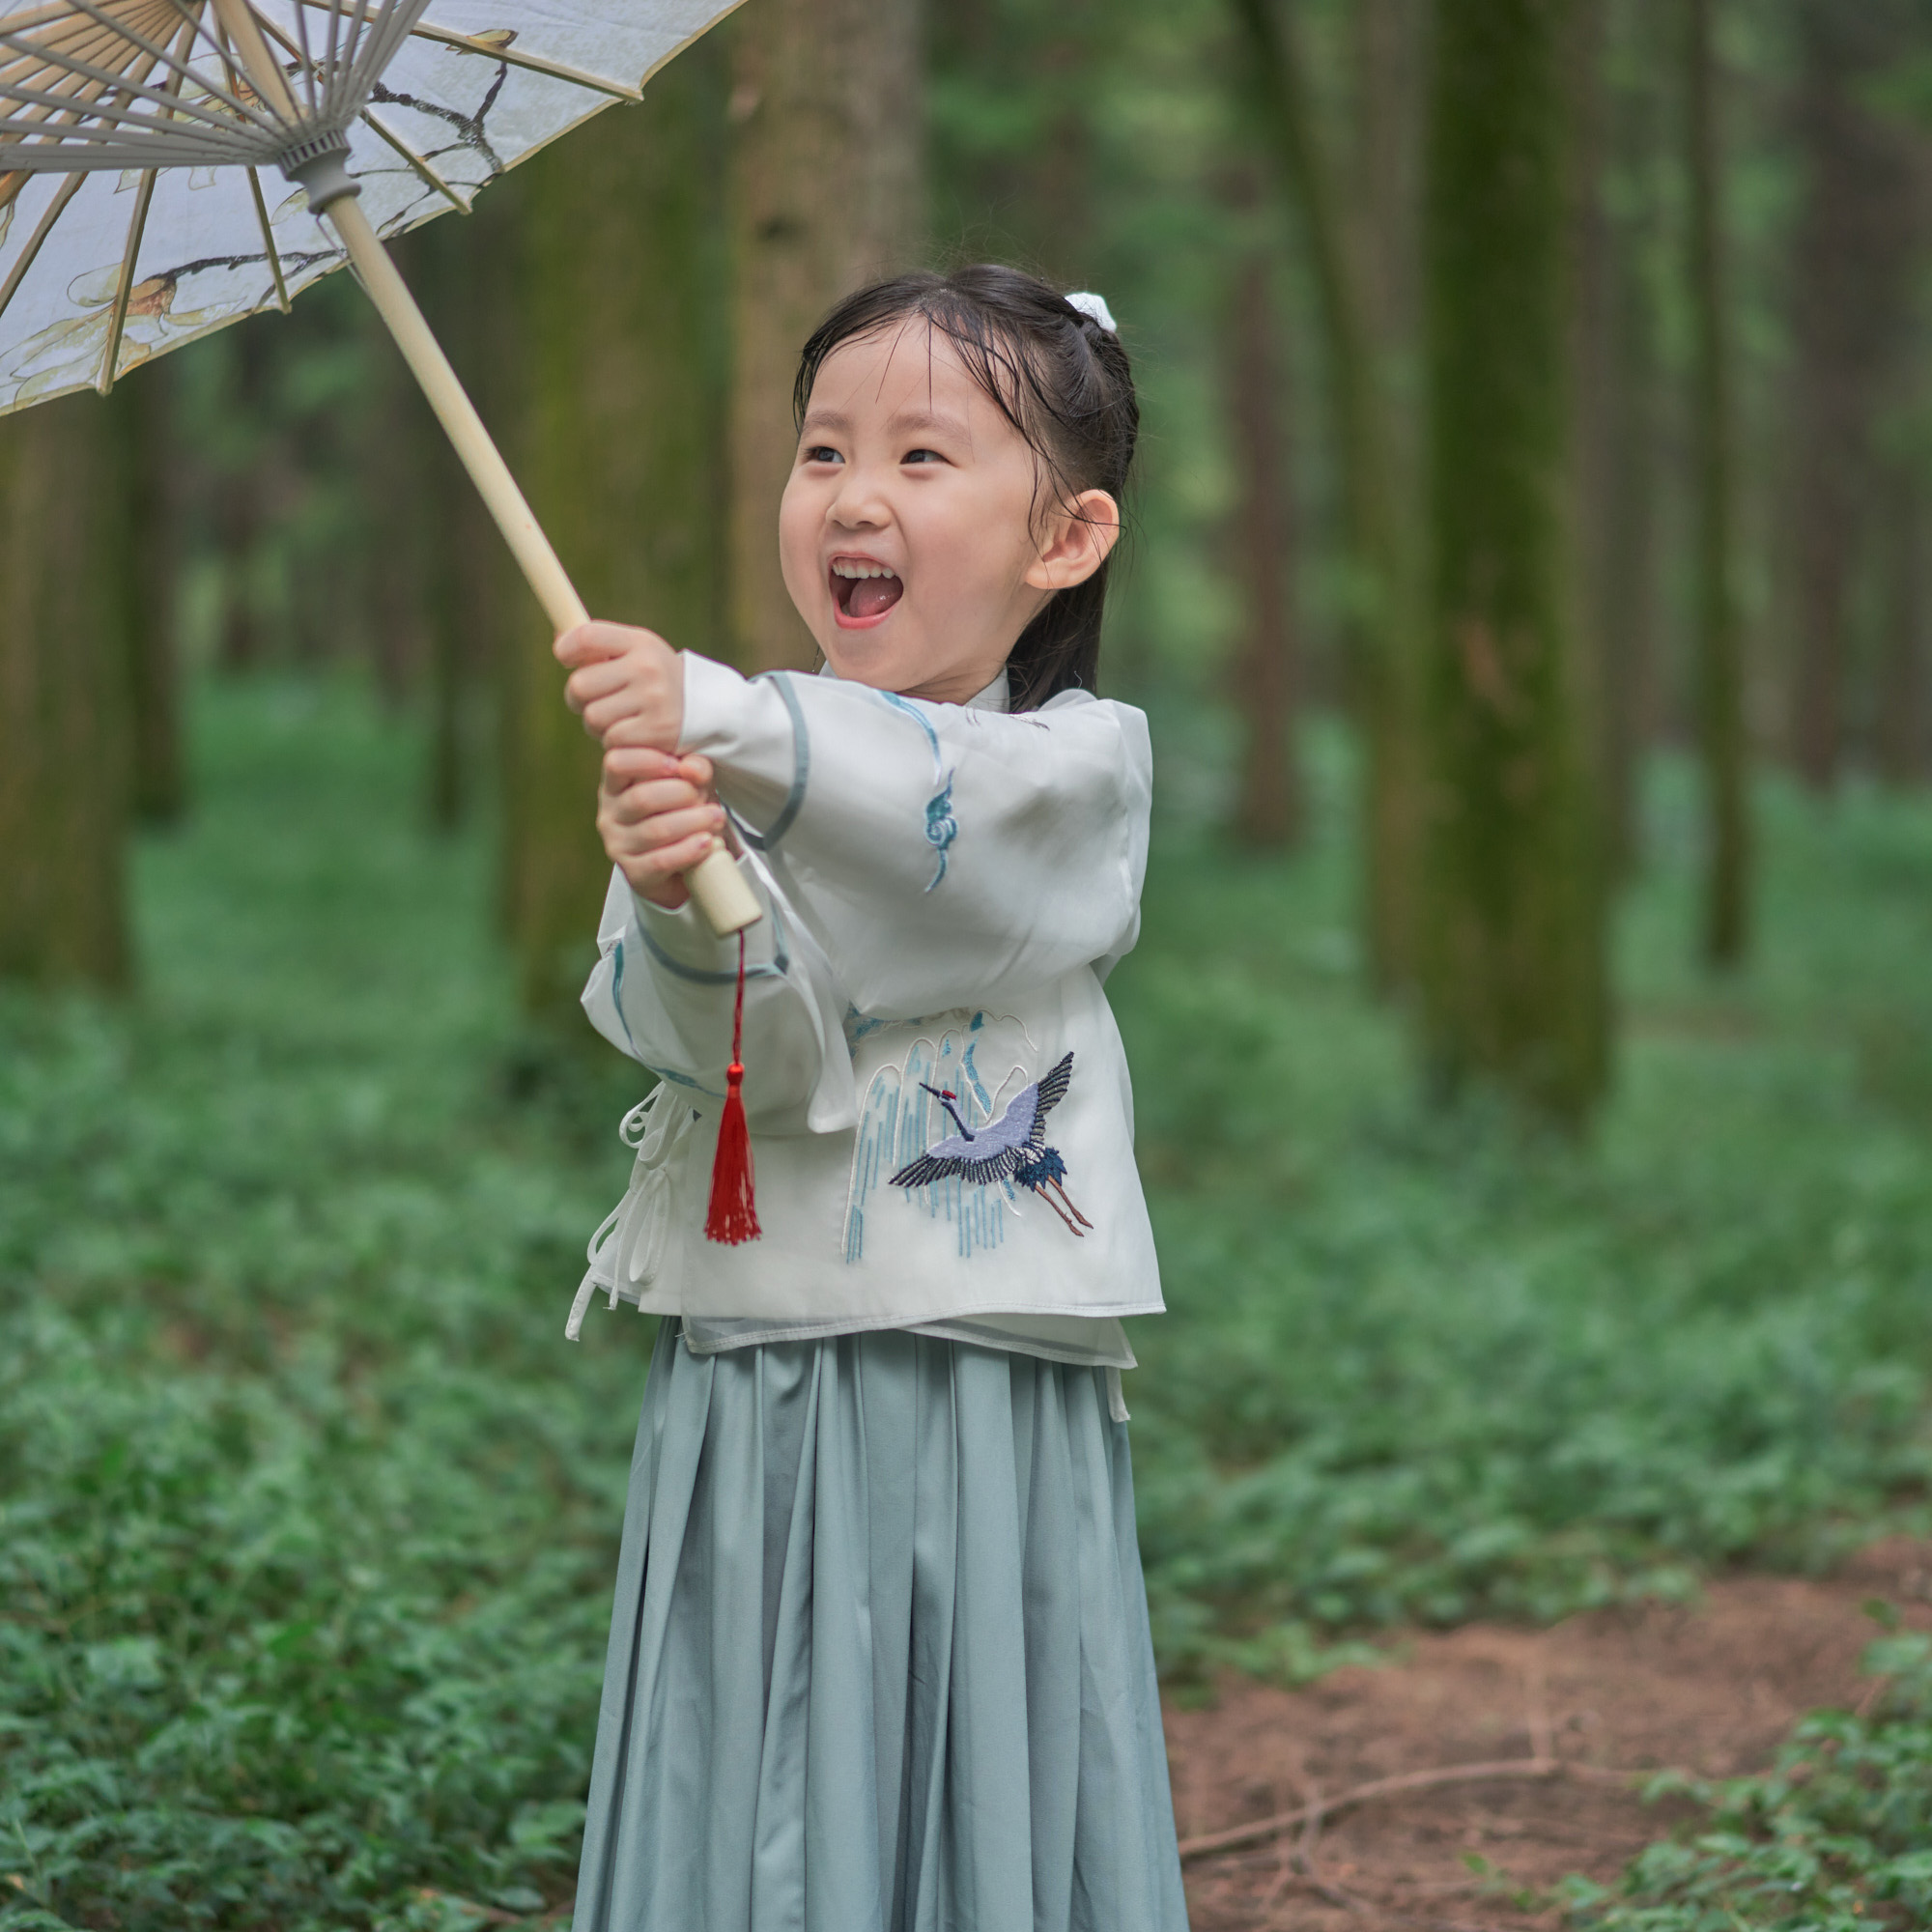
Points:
[(1061, 380)]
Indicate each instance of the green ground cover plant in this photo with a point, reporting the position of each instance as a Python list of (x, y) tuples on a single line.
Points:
[(309, 1512), (1837, 1837)]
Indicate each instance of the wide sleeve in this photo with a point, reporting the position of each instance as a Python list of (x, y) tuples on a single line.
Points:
[(940, 854), (663, 991)]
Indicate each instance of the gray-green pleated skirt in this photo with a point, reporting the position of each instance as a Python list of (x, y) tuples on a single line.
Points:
[(879, 1661)]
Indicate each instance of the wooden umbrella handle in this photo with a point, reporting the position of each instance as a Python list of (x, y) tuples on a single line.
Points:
[(715, 881)]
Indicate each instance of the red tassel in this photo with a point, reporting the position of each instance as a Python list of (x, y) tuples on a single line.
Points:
[(733, 1216)]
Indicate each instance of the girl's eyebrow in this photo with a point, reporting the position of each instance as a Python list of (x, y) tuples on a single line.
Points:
[(906, 419), (928, 419)]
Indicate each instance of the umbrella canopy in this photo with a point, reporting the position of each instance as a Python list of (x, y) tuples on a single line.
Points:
[(141, 201)]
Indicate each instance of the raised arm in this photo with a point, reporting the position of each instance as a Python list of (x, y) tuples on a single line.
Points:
[(940, 856)]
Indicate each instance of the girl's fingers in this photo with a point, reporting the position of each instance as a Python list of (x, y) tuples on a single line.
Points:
[(627, 764), (671, 828), (597, 641), (662, 828), (645, 801), (600, 693), (658, 875), (654, 795), (631, 764)]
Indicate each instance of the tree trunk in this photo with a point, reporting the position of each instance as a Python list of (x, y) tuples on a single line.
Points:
[(1598, 399), (139, 559), (1721, 739), (239, 499), (1624, 594), (461, 567), (1513, 954), (1268, 806), (466, 586), (616, 435), (828, 191), (63, 713), (1382, 660), (1902, 672), (1851, 314), (392, 455)]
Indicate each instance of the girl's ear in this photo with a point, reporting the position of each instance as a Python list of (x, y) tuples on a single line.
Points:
[(1079, 539)]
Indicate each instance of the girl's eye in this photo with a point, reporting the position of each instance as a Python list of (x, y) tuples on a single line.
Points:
[(821, 453), (923, 456)]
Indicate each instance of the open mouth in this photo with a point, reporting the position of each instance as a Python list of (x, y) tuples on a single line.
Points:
[(863, 591)]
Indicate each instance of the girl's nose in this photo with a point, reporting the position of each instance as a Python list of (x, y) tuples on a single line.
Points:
[(860, 504)]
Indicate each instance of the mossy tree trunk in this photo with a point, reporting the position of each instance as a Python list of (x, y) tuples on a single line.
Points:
[(1622, 593), (1268, 801), (140, 549), (64, 796), (467, 588), (1902, 671), (1857, 250), (1722, 738), (1601, 401), (1378, 531), (1513, 954), (828, 191), (609, 327)]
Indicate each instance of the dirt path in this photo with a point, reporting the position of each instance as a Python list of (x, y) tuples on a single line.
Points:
[(1713, 1687)]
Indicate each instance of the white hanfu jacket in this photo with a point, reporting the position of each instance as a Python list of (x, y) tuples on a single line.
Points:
[(946, 888)]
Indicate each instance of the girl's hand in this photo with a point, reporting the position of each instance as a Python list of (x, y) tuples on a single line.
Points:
[(626, 683), (657, 819)]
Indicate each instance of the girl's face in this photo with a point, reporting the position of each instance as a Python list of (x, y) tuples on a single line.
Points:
[(910, 533)]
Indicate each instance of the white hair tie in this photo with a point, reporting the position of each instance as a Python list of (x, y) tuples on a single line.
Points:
[(1090, 305)]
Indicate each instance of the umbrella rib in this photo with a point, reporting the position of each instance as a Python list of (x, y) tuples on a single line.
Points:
[(117, 327), (78, 105), (158, 53), (533, 63), (268, 239), (351, 46), (416, 161), (334, 36), (61, 112), (197, 21), (391, 31), (58, 157), (121, 84), (303, 55), (17, 274)]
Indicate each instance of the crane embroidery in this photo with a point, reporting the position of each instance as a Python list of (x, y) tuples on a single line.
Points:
[(1013, 1148)]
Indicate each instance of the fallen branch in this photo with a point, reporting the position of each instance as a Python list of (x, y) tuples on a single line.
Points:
[(1211, 1842)]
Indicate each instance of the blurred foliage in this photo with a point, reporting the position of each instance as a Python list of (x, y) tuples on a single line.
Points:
[(1837, 1837), (308, 1514), (1426, 1369)]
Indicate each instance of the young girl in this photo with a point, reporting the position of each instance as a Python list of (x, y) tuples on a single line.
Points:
[(880, 1658)]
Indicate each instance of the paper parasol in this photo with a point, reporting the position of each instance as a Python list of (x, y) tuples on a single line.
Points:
[(169, 166)]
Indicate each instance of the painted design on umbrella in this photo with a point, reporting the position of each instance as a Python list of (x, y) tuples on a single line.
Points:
[(1013, 1148), (138, 151)]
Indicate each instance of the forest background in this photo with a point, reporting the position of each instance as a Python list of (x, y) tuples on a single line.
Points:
[(1528, 587)]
